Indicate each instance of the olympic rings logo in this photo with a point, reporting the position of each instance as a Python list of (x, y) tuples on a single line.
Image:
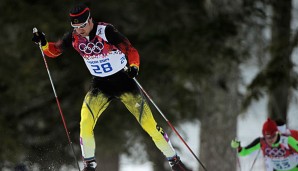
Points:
[(91, 47), (275, 152)]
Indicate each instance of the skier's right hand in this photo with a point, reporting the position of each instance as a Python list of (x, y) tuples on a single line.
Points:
[(39, 37), (235, 143), (133, 71)]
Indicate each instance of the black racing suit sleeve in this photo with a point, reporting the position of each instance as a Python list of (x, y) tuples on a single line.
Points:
[(66, 41), (113, 36), (123, 44)]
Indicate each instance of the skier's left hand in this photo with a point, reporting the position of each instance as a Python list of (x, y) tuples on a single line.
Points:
[(133, 71)]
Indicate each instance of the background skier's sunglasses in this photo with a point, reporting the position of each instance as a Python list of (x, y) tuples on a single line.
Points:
[(82, 25)]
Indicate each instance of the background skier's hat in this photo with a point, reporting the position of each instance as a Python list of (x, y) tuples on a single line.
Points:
[(269, 127), (79, 14)]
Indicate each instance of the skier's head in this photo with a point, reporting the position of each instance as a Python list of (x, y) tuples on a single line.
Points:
[(269, 127), (270, 131), (79, 14), (80, 19)]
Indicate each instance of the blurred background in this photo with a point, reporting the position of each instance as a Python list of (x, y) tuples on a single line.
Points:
[(206, 63)]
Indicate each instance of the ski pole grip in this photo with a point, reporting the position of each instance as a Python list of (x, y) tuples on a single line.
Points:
[(35, 31)]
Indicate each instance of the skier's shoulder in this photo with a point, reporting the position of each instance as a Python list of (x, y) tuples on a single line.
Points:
[(290, 134), (101, 23), (108, 32), (68, 35), (104, 26), (67, 39), (103, 29), (255, 142), (294, 133)]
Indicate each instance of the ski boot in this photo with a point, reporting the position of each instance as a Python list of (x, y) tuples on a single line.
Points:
[(177, 164), (90, 165)]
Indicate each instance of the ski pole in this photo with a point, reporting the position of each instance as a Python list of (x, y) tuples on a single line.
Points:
[(238, 160), (35, 31), (254, 160), (169, 123)]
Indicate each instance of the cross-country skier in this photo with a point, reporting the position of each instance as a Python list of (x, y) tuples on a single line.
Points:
[(280, 151), (106, 53)]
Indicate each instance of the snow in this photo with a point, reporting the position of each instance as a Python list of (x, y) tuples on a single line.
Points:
[(133, 166)]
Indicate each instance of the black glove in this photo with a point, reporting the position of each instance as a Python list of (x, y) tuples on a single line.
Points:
[(39, 37), (133, 71)]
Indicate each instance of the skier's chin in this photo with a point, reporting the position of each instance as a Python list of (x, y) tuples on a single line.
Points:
[(83, 34)]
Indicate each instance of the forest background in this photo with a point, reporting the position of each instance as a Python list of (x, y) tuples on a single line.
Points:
[(192, 59)]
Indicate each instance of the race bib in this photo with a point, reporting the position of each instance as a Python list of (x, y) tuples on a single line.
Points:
[(285, 163), (105, 66)]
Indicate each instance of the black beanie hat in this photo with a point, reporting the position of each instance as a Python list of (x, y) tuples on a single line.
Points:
[(79, 14)]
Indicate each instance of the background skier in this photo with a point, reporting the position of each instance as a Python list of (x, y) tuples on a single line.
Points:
[(280, 151)]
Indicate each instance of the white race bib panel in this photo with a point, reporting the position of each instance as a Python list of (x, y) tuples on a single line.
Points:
[(285, 163), (101, 57), (105, 66)]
